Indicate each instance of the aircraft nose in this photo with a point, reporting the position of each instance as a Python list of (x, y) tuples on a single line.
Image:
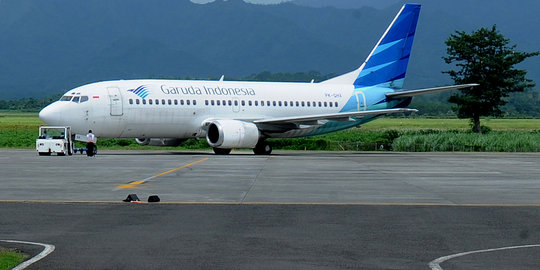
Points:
[(50, 115)]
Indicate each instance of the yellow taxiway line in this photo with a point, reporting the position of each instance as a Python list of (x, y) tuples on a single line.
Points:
[(135, 184)]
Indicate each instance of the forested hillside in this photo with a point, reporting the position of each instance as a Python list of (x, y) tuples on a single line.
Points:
[(48, 47)]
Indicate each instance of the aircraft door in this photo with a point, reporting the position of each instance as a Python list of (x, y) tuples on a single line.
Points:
[(361, 101), (115, 99)]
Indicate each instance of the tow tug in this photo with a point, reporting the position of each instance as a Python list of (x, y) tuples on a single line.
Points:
[(59, 140), (54, 139)]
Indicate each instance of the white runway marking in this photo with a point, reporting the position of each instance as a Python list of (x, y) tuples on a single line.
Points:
[(435, 264), (46, 251)]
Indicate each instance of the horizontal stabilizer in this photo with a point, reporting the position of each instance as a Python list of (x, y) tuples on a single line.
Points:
[(411, 93), (332, 116)]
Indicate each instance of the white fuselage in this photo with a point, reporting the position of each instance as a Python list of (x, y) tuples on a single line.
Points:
[(177, 109)]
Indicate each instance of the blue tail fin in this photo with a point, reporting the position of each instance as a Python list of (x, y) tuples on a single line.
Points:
[(387, 64)]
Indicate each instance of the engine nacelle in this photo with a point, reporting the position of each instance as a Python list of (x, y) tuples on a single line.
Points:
[(232, 134), (159, 141)]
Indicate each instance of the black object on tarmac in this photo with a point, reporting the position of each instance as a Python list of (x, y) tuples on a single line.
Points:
[(131, 198)]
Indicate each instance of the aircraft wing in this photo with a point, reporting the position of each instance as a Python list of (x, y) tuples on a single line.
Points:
[(411, 93), (345, 116)]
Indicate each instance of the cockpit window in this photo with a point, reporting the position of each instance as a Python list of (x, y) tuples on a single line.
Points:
[(76, 99), (83, 99), (65, 98)]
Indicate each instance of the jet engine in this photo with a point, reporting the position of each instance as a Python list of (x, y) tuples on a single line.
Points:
[(159, 141), (232, 134)]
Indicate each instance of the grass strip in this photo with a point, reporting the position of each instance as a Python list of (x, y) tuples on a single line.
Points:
[(10, 258)]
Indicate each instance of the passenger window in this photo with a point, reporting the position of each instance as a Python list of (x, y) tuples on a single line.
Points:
[(212, 102), (249, 103), (230, 103), (181, 102), (325, 104), (330, 103), (268, 103), (137, 101), (169, 102), (218, 102), (236, 103), (320, 104), (194, 102), (308, 104), (130, 101), (285, 103), (206, 102), (303, 104), (262, 103), (279, 103), (157, 101), (336, 104), (187, 102), (297, 104), (162, 102), (144, 101), (243, 103), (175, 102), (150, 101), (224, 103)]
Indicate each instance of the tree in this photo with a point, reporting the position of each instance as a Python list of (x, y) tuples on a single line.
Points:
[(484, 57)]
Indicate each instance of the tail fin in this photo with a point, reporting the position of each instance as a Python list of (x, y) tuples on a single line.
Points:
[(387, 63)]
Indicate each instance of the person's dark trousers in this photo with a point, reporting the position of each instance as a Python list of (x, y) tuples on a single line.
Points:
[(90, 149)]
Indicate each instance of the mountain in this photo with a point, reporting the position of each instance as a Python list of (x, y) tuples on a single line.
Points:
[(48, 47)]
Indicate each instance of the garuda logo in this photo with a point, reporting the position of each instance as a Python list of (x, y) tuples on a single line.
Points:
[(141, 91)]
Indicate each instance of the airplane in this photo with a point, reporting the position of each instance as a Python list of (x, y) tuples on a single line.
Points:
[(243, 114)]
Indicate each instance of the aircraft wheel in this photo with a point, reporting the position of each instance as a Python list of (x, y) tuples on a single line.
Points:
[(262, 148), (222, 151)]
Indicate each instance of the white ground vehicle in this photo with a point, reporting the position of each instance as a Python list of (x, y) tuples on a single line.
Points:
[(54, 139)]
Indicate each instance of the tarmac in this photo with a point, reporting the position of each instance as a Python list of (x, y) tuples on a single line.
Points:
[(299, 210)]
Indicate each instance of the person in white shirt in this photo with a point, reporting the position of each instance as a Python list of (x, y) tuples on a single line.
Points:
[(91, 144)]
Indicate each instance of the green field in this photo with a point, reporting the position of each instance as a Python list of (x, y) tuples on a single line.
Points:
[(454, 124), (19, 130)]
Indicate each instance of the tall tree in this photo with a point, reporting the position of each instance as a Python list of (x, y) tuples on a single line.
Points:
[(484, 57)]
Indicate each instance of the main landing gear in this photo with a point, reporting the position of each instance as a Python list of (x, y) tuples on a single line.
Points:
[(222, 151), (262, 148)]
